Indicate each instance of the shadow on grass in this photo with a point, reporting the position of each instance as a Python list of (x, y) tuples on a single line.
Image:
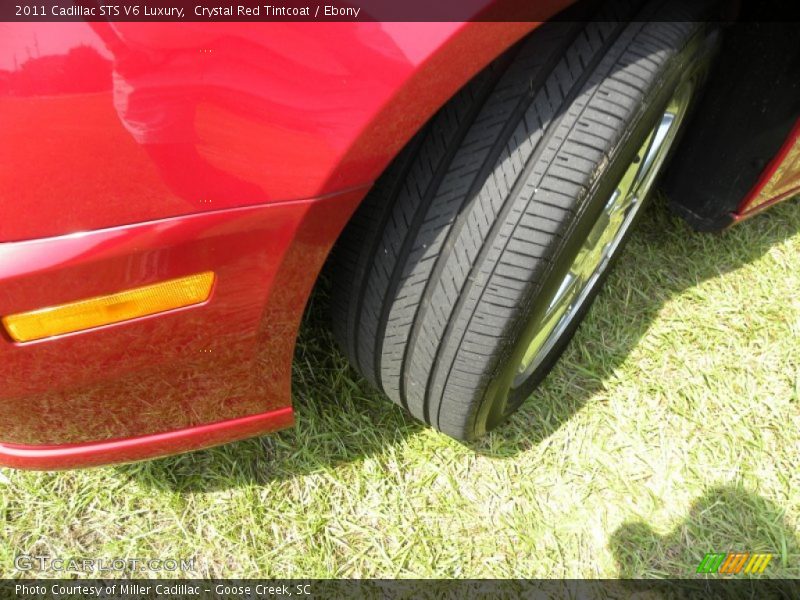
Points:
[(342, 419), (664, 258), (725, 519)]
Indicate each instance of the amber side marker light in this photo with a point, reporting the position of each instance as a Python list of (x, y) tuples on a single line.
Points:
[(105, 310)]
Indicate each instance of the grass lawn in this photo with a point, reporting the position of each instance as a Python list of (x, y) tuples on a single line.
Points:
[(669, 429)]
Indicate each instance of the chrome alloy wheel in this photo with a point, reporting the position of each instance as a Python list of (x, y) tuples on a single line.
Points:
[(604, 238)]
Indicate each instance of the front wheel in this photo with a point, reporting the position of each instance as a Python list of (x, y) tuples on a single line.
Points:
[(469, 266)]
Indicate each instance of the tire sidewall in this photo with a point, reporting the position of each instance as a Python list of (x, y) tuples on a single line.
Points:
[(499, 401)]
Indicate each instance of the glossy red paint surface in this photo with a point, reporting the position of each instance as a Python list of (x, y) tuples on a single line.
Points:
[(779, 181), (227, 358), (109, 124), (131, 153), (148, 446)]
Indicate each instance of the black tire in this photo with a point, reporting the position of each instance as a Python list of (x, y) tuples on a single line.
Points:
[(440, 276)]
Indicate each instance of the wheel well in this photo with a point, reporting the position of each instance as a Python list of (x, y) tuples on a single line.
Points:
[(750, 103)]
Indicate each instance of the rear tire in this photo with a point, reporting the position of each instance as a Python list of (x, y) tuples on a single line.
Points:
[(446, 273)]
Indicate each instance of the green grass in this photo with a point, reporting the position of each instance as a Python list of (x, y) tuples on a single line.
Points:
[(669, 429)]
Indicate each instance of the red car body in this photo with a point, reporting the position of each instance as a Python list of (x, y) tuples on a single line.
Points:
[(133, 153)]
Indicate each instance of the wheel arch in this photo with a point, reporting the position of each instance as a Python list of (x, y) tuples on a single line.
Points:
[(459, 56)]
